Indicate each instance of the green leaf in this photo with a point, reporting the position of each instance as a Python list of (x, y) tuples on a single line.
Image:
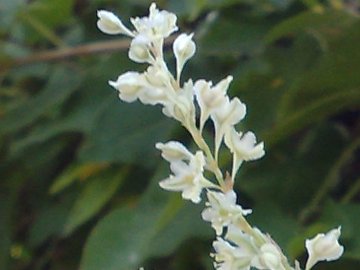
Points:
[(312, 113), (50, 221), (51, 12), (61, 84), (6, 204), (312, 22), (291, 173), (155, 227), (120, 240), (96, 193), (247, 41), (73, 173), (127, 133)]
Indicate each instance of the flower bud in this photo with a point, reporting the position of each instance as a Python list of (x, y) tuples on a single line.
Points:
[(111, 24), (184, 48), (173, 151), (139, 50), (129, 86)]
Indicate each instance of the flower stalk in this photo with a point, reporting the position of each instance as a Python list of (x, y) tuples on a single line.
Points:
[(238, 246)]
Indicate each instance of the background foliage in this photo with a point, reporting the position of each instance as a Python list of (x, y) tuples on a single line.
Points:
[(78, 168)]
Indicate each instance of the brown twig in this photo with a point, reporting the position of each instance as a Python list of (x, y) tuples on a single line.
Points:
[(81, 50)]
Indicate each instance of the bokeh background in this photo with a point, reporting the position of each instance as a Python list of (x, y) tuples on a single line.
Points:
[(78, 169)]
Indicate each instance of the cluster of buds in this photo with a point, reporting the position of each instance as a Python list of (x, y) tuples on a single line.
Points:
[(238, 245)]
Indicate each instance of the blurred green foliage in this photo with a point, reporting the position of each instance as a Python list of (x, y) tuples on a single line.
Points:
[(79, 172)]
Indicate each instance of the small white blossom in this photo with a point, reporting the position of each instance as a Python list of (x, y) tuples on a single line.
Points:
[(129, 85), (187, 178), (226, 116), (174, 151), (183, 109), (184, 48), (110, 24), (157, 77), (324, 247), (209, 98), (139, 50), (269, 258), (159, 24), (265, 256), (133, 85), (229, 257), (235, 235), (222, 210), (152, 95), (243, 146)]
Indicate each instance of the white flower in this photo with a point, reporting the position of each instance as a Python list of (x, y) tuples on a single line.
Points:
[(184, 48), (129, 85), (324, 247), (157, 77), (229, 257), (269, 258), (174, 151), (182, 107), (187, 178), (111, 24), (139, 50), (152, 95), (243, 146), (159, 24), (222, 210), (225, 116), (235, 235), (261, 256), (209, 98)]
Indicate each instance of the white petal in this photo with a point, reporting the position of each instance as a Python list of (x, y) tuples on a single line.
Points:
[(174, 151)]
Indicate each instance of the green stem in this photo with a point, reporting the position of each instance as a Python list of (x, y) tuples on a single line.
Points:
[(355, 189), (330, 180), (42, 29), (213, 165)]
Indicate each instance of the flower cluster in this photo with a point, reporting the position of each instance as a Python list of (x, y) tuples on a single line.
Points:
[(238, 245)]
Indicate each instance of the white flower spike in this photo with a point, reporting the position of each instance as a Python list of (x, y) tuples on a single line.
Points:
[(239, 246), (324, 247), (110, 24)]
